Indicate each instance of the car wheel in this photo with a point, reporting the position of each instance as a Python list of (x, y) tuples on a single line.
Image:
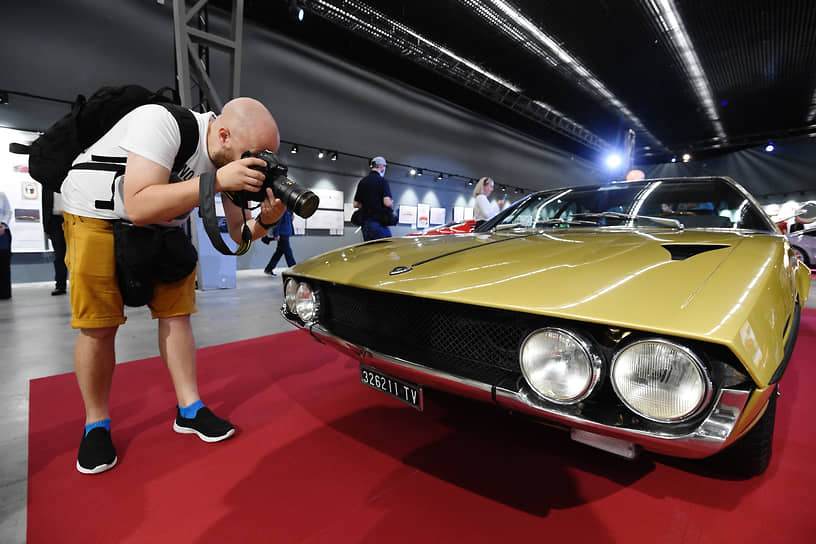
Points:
[(750, 455), (800, 255)]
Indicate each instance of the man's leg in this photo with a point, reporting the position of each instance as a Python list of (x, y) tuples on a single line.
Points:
[(177, 348), (287, 251), (172, 305), (60, 270), (273, 261), (94, 361)]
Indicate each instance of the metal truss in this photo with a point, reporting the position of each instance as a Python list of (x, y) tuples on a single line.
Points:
[(365, 21), (189, 57)]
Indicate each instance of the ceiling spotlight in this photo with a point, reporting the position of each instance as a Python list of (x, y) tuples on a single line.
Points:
[(412, 172), (770, 147), (613, 161), (321, 154), (296, 9), (470, 181), (419, 172), (686, 157), (674, 159), (438, 178), (517, 191), (334, 156), (293, 151), (4, 98)]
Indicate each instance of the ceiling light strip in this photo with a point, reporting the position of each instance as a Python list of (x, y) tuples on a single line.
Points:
[(368, 22), (376, 30), (514, 24), (671, 24)]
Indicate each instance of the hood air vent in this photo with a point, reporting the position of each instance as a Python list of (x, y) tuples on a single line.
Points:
[(681, 252)]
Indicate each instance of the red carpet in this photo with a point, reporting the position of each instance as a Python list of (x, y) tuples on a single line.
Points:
[(318, 457)]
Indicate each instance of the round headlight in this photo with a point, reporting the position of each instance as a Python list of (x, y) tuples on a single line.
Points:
[(305, 303), (660, 381), (560, 365), (290, 292)]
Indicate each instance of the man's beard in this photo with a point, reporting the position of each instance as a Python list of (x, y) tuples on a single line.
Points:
[(220, 158)]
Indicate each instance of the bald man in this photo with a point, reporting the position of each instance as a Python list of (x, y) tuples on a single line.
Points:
[(147, 141)]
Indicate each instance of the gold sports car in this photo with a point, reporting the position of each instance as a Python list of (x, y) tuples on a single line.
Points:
[(655, 314)]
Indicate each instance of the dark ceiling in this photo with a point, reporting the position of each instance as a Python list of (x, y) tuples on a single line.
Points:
[(758, 58)]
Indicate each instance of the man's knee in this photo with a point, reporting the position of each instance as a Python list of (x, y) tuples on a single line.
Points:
[(103, 333)]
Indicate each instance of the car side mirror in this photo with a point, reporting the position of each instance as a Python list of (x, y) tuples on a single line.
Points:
[(806, 212)]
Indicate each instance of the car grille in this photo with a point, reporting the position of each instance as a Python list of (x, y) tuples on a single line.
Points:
[(469, 341)]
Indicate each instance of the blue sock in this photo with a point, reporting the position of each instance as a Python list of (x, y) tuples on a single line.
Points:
[(104, 423), (190, 411)]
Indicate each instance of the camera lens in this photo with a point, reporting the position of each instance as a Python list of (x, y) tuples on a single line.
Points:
[(301, 201)]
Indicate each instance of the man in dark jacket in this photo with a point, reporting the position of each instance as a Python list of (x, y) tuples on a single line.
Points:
[(373, 196), (281, 232), (52, 225)]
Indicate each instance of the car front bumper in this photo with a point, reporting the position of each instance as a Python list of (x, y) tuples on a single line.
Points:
[(711, 435)]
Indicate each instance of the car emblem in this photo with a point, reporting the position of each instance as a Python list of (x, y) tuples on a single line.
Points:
[(400, 270)]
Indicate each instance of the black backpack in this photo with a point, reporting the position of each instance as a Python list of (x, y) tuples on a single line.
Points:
[(51, 155)]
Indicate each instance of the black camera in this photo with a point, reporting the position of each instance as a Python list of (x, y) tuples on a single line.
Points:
[(301, 201)]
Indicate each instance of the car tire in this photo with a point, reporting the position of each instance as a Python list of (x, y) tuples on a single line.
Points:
[(801, 255), (750, 455)]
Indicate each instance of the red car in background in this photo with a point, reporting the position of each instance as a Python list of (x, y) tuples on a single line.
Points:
[(457, 227)]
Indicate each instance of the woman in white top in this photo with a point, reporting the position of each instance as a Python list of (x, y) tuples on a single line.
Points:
[(484, 209)]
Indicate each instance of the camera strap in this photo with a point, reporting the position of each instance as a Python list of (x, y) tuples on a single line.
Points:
[(206, 206)]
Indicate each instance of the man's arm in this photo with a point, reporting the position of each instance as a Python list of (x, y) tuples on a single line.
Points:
[(150, 198)]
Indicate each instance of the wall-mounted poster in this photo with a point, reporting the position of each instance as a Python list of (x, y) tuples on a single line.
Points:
[(423, 215), (329, 199), (458, 214), (298, 224), (23, 194), (468, 213), (408, 214), (437, 216), (327, 219), (348, 209)]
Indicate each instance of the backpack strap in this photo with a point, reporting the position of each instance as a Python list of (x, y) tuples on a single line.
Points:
[(188, 126)]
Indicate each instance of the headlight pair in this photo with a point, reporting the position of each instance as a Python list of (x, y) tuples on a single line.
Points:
[(657, 379), (301, 299)]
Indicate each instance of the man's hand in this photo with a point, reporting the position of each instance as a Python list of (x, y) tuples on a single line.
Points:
[(271, 208), (2, 229), (238, 176)]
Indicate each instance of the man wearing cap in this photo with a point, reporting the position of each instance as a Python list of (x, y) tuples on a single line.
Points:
[(373, 196)]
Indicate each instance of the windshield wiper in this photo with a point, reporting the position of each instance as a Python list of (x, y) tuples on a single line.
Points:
[(618, 215), (545, 223)]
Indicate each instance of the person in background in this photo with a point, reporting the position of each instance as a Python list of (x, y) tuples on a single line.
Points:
[(281, 232), (5, 247), (373, 196), (484, 209), (52, 225)]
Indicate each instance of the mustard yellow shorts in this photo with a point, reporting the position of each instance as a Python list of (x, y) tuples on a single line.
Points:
[(95, 298)]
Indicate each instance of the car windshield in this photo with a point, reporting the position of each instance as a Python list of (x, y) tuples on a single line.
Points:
[(688, 204)]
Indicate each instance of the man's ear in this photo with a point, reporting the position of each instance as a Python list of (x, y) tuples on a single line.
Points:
[(223, 135)]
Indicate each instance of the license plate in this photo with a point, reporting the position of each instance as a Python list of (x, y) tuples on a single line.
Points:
[(407, 392)]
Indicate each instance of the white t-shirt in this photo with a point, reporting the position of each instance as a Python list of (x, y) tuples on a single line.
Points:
[(150, 131), (484, 209)]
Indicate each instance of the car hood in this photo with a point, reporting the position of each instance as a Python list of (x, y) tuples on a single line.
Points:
[(699, 284)]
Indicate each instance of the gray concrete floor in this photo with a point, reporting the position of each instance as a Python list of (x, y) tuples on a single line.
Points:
[(36, 341)]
